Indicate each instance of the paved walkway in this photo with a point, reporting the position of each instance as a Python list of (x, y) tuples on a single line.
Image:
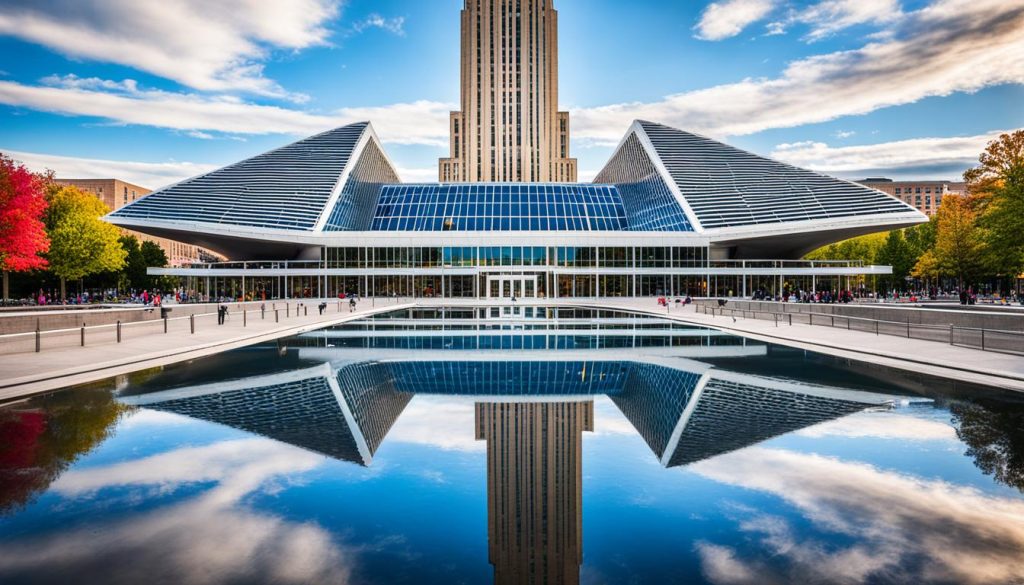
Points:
[(30, 373), (24, 374), (928, 357)]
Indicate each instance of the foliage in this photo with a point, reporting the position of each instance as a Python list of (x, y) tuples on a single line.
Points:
[(997, 186), (994, 438), (135, 263), (22, 205), (43, 436), (80, 242), (899, 254), (863, 248), (959, 244)]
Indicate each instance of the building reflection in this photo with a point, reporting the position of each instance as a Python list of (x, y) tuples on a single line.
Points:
[(532, 414), (534, 488)]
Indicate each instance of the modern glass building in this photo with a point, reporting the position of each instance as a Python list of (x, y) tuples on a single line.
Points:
[(671, 213)]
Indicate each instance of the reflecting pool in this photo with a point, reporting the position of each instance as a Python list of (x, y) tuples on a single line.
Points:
[(561, 447)]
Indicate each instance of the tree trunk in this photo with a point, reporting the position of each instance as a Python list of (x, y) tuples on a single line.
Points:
[(63, 297), (7, 276)]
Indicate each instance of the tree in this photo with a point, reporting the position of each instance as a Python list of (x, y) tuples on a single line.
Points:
[(896, 252), (23, 237), (997, 188), (959, 247), (135, 263), (81, 243), (154, 257), (995, 439)]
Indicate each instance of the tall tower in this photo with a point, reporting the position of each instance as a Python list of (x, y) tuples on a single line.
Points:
[(535, 489), (509, 128)]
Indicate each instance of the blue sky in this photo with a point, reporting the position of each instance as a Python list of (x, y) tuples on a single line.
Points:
[(153, 92)]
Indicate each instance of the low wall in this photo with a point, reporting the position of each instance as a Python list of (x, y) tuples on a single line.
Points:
[(992, 319)]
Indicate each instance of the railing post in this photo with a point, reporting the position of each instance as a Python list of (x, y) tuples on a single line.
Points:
[(305, 310), (119, 331), (277, 315), (982, 340), (245, 316), (791, 319), (83, 333), (192, 323), (876, 328), (38, 337), (287, 310), (951, 334), (165, 324), (908, 329), (263, 311)]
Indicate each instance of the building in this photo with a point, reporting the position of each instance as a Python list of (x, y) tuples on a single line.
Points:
[(535, 488), (509, 128), (115, 194), (925, 196), (672, 213)]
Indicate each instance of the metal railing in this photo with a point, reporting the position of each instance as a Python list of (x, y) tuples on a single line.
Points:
[(124, 332), (996, 340)]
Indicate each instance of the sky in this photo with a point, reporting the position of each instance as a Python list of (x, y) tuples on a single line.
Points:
[(155, 91)]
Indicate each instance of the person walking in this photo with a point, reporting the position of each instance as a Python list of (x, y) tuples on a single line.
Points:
[(352, 305), (222, 313)]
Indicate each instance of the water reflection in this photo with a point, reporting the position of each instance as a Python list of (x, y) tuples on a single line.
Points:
[(531, 413), (758, 465)]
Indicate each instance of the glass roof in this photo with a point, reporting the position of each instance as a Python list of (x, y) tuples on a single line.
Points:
[(499, 207)]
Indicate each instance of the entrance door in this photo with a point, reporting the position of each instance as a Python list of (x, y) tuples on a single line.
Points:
[(506, 287)]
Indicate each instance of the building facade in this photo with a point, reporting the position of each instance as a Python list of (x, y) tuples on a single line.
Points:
[(925, 196), (509, 128), (115, 194), (672, 213)]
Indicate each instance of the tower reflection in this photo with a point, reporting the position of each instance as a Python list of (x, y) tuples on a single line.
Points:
[(534, 488)]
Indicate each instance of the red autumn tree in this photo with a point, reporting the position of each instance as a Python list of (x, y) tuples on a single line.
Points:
[(23, 237)]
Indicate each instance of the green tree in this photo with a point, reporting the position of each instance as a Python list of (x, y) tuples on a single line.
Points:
[(863, 248), (154, 257), (959, 243), (134, 264), (997, 195), (81, 244), (896, 252)]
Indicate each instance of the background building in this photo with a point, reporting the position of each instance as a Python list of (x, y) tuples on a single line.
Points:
[(509, 128), (926, 196), (116, 194)]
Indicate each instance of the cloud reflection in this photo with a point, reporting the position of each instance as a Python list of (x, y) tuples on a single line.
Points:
[(907, 529), (206, 539)]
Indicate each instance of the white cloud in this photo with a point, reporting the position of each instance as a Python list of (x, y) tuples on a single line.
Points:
[(898, 524), (444, 422), (144, 174), (209, 46), (394, 25), (829, 17), (721, 20), (843, 134), (959, 152), (210, 537), (421, 122), (950, 46), (883, 425), (418, 175)]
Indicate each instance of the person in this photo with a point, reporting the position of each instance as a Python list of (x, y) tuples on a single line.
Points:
[(222, 313), (688, 299), (352, 305), (322, 307)]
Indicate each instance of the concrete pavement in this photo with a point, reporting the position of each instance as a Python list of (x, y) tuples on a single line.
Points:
[(24, 374)]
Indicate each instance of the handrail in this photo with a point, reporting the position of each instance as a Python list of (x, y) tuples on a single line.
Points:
[(877, 323)]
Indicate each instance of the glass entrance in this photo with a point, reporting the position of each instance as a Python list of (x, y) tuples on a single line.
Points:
[(507, 287)]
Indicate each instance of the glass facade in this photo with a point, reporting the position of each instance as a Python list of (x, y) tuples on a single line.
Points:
[(499, 207)]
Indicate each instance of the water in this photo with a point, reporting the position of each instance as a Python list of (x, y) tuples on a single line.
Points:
[(600, 448)]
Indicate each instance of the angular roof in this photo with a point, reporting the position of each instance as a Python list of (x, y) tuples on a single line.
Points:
[(286, 188), (727, 187)]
